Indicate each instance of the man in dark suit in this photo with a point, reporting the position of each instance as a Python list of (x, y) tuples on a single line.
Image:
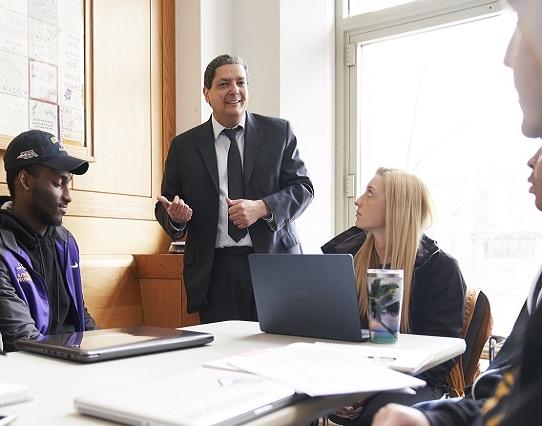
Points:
[(215, 191)]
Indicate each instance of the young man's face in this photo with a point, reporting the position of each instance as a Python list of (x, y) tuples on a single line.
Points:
[(50, 195), (524, 56), (228, 95)]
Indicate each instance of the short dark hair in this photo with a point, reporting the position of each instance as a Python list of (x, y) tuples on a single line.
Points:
[(225, 59), (11, 175)]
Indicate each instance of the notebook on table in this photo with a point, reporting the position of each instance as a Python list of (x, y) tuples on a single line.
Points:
[(13, 393), (203, 396), (311, 295), (99, 345)]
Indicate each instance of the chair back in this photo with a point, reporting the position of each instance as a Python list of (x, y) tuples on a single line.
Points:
[(477, 325)]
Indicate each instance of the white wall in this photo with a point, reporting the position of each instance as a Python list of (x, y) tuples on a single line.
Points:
[(189, 76), (289, 48), (307, 64)]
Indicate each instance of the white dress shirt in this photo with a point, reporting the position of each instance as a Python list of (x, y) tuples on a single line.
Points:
[(222, 145)]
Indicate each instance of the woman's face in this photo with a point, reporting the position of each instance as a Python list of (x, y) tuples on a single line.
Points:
[(371, 206)]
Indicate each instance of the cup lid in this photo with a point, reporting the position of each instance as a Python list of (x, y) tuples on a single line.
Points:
[(385, 272)]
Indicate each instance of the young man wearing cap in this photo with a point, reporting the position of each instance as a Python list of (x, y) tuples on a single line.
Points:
[(510, 392), (40, 280)]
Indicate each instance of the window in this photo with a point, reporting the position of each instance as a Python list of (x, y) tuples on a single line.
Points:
[(439, 103), (358, 7)]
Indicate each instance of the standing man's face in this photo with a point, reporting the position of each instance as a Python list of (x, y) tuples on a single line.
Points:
[(525, 59), (228, 95)]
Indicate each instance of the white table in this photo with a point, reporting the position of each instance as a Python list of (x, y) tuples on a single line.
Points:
[(54, 383)]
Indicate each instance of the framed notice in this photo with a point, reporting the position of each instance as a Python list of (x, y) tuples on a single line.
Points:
[(45, 79)]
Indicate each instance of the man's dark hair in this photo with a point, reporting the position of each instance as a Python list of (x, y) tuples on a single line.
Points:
[(12, 174), (225, 59)]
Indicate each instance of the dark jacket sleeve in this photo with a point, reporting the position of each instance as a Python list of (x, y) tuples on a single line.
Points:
[(90, 324), (452, 412), (15, 319), (525, 401), (170, 188), (523, 405), (296, 189), (347, 242), (438, 306)]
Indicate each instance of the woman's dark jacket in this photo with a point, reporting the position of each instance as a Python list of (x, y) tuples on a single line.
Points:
[(437, 299)]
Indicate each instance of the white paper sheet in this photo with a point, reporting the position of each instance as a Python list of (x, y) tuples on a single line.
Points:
[(21, 7), (13, 74), (44, 10), (70, 15), (71, 124), (43, 81), (322, 370), (13, 32), (44, 116), (43, 45), (403, 360), (14, 113)]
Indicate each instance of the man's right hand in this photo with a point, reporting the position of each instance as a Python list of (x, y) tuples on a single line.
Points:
[(178, 211)]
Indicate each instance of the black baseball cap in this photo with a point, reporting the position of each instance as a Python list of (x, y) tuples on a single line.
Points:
[(39, 147)]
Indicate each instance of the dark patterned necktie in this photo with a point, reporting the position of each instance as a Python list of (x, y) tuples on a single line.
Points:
[(235, 180)]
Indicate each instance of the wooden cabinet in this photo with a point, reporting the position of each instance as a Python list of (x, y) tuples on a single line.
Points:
[(163, 296)]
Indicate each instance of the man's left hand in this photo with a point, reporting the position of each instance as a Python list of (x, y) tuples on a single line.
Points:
[(244, 213)]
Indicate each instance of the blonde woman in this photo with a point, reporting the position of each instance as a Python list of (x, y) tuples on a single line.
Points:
[(390, 219)]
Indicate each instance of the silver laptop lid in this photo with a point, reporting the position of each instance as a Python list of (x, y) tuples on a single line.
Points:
[(200, 397), (98, 345)]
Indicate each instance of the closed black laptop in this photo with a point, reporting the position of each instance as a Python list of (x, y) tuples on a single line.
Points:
[(99, 345), (312, 295)]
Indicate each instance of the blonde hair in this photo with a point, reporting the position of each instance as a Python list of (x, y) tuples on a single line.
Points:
[(408, 214)]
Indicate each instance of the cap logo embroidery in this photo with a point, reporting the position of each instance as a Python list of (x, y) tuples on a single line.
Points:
[(27, 155), (54, 140)]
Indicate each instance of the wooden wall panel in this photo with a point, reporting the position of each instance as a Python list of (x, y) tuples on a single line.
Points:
[(111, 290), (168, 74), (97, 235), (122, 126)]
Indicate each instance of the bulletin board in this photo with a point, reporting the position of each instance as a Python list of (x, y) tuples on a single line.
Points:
[(44, 72)]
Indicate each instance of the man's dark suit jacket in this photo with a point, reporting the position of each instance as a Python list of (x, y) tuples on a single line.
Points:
[(272, 172)]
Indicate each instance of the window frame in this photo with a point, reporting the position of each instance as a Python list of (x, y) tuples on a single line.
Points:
[(417, 16)]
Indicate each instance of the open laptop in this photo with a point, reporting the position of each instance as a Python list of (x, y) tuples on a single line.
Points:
[(100, 345), (204, 396), (311, 295)]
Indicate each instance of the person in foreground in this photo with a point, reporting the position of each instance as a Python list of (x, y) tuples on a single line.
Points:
[(390, 219), (234, 185), (40, 281), (510, 391)]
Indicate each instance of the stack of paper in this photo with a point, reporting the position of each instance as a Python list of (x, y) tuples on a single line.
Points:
[(12, 394), (405, 360), (318, 369)]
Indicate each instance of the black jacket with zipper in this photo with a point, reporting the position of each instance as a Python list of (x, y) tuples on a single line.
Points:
[(437, 299)]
